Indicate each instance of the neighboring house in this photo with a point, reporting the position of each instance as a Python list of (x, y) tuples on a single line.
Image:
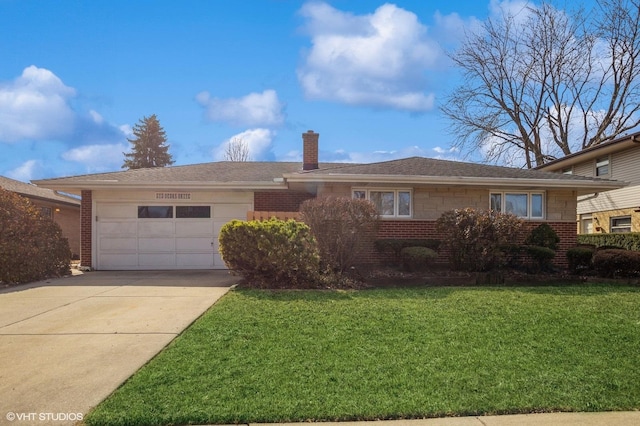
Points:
[(169, 218), (63, 209), (616, 210)]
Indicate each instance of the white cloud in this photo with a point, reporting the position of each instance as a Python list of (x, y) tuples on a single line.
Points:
[(35, 106), (377, 59), (26, 171), (259, 143), (254, 109), (98, 158)]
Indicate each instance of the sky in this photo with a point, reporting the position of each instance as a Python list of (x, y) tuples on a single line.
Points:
[(368, 76)]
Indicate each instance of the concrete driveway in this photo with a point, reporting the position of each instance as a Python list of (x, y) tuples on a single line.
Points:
[(66, 344)]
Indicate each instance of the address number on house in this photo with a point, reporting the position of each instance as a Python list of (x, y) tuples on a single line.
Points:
[(173, 195)]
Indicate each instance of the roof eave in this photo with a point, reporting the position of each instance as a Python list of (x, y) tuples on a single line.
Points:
[(76, 187), (592, 153), (587, 186)]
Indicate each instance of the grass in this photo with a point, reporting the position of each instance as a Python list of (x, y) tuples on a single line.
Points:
[(263, 356)]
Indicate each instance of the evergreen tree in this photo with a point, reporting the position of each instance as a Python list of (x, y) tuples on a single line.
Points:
[(149, 146)]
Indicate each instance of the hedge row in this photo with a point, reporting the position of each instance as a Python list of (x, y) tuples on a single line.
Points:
[(628, 240)]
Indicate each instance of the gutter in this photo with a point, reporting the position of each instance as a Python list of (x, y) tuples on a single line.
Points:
[(591, 185)]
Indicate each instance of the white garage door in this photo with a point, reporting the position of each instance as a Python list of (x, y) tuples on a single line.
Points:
[(136, 236)]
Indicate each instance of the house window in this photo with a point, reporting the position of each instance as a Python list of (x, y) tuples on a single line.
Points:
[(602, 166), (193, 212), (155, 212), (586, 224), (46, 211), (388, 202), (621, 224), (528, 205), (567, 171)]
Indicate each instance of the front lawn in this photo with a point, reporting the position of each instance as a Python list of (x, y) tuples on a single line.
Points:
[(273, 356)]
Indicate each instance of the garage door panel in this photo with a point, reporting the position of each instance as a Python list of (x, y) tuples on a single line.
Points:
[(156, 228), (117, 228), (195, 260), (157, 260), (156, 244), (120, 261), (195, 228), (120, 244), (196, 244)]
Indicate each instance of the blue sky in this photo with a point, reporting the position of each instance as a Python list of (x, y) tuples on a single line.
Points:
[(367, 75)]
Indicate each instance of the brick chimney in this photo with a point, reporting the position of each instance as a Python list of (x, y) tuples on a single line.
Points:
[(310, 150)]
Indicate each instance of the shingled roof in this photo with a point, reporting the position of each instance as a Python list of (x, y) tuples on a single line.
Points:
[(430, 170), (32, 191), (261, 175)]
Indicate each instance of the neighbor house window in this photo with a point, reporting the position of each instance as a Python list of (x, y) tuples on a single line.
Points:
[(155, 212), (621, 224), (602, 166), (567, 171), (529, 205), (586, 224), (388, 202)]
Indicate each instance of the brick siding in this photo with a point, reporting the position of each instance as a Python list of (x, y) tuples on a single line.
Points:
[(280, 201), (426, 229), (86, 216)]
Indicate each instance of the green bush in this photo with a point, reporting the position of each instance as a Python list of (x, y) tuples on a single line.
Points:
[(542, 256), (543, 236), (628, 240), (579, 258), (475, 237), (343, 227), (31, 245), (395, 245), (417, 258), (616, 263), (273, 253)]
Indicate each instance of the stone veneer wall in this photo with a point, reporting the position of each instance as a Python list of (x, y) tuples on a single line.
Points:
[(86, 216)]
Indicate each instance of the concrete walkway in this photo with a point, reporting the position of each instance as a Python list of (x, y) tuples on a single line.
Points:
[(66, 344), (622, 418)]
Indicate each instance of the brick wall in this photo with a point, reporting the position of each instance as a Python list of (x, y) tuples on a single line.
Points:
[(426, 229), (281, 201), (86, 216)]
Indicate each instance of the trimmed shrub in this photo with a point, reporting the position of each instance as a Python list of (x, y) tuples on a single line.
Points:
[(273, 253), (543, 236), (542, 256), (417, 258), (343, 228), (31, 245), (627, 240), (395, 246), (579, 259), (616, 263), (475, 237)]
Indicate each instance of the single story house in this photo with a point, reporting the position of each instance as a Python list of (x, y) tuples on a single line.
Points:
[(169, 218), (617, 210), (63, 209)]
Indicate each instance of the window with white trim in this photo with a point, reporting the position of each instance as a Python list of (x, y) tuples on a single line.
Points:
[(388, 202), (528, 205), (621, 224)]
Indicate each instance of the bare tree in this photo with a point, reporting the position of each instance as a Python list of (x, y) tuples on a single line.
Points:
[(237, 150), (543, 83)]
